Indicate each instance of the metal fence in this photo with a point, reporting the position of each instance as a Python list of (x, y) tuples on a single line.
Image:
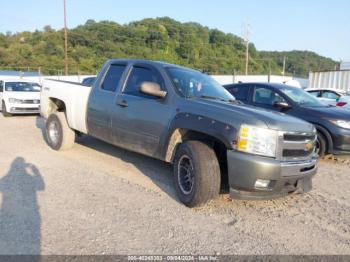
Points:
[(330, 79)]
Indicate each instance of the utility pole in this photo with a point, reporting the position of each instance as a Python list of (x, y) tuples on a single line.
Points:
[(65, 39), (246, 39), (284, 67)]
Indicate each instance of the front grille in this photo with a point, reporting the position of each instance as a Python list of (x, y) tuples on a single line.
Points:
[(296, 153), (291, 137), (296, 146), (21, 109), (36, 101)]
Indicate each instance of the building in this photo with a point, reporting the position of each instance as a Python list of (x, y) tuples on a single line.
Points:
[(345, 65)]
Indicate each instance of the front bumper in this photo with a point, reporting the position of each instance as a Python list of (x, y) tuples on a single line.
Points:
[(23, 108), (284, 177), (341, 141)]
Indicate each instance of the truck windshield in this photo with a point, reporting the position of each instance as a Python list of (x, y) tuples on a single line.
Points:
[(193, 84), (22, 87), (301, 97)]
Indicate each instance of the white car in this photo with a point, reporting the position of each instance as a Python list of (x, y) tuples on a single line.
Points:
[(19, 97), (334, 97)]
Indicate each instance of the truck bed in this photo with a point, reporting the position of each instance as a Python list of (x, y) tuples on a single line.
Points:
[(75, 97)]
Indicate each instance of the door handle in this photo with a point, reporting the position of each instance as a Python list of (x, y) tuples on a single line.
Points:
[(122, 103)]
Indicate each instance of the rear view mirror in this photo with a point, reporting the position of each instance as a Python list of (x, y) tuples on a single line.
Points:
[(282, 105), (152, 89)]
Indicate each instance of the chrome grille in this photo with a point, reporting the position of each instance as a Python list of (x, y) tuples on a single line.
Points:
[(35, 101), (296, 146)]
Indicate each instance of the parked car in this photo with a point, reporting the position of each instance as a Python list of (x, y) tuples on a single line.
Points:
[(89, 81), (184, 117), (332, 123), (19, 97), (333, 97)]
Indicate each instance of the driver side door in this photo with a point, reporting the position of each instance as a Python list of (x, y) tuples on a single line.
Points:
[(140, 120)]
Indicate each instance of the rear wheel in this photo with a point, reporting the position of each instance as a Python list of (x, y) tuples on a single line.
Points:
[(59, 135), (4, 110), (196, 173), (321, 144)]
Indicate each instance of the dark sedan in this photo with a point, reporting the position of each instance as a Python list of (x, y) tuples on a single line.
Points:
[(332, 123)]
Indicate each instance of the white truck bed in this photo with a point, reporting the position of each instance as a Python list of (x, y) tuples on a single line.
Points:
[(75, 97)]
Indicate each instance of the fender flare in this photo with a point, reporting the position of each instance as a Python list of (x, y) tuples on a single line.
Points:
[(188, 122)]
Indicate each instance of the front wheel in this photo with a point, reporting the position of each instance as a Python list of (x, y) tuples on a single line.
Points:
[(4, 110), (196, 173), (59, 135)]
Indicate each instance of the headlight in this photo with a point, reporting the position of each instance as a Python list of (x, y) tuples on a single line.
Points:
[(259, 141), (15, 101), (341, 123)]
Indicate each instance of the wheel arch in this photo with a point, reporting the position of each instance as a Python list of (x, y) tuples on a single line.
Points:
[(327, 135)]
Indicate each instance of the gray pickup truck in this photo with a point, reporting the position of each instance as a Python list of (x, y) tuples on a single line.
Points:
[(184, 117)]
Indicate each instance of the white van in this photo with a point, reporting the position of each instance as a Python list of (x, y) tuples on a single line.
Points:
[(19, 97)]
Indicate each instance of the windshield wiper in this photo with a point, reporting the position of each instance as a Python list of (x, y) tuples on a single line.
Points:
[(221, 99), (211, 97)]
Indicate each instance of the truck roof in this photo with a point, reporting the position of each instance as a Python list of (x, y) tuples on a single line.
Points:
[(150, 62)]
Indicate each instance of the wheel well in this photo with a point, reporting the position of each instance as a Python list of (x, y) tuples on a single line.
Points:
[(56, 105), (181, 135), (328, 137)]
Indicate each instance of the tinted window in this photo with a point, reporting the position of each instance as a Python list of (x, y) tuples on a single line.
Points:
[(1, 86), (314, 93), (266, 96), (113, 77), (330, 95), (239, 92), (139, 75)]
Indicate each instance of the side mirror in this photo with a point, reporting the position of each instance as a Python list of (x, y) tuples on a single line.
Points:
[(282, 105), (152, 89)]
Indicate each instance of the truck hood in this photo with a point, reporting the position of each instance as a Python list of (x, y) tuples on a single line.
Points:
[(255, 116), (23, 95)]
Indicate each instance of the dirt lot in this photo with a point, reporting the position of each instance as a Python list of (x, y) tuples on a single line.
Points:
[(97, 199)]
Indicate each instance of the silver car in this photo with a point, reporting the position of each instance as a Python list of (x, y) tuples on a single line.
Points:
[(334, 97)]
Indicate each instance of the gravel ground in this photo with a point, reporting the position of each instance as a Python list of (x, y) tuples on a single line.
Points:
[(98, 199)]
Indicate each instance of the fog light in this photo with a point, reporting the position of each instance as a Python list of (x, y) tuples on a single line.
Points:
[(261, 183)]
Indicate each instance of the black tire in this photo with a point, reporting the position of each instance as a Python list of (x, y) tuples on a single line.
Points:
[(205, 173), (4, 110), (59, 135), (321, 144)]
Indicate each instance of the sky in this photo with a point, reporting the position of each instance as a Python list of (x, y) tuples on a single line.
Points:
[(322, 26)]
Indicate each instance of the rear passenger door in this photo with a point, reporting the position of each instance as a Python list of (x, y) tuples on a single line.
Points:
[(102, 103), (139, 120)]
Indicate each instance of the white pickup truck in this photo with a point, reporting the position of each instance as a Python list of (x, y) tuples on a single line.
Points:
[(19, 97)]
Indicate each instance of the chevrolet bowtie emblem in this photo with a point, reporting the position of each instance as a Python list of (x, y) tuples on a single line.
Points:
[(309, 146)]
